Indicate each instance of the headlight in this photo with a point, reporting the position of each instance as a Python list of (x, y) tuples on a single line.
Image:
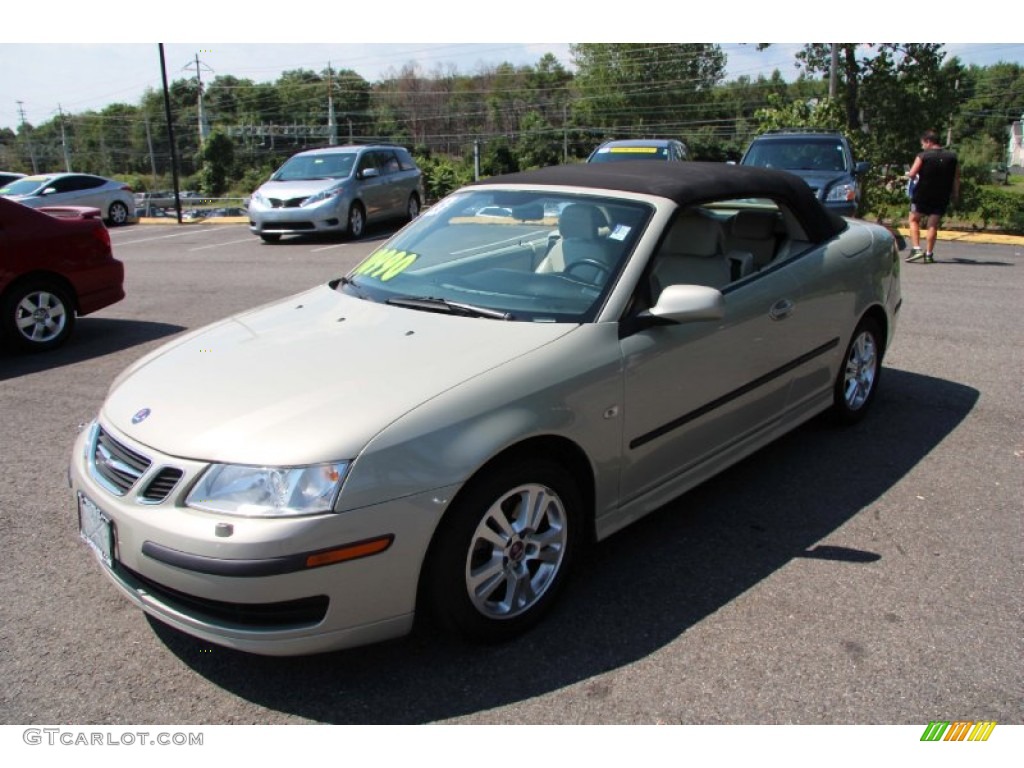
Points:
[(842, 192), (319, 197), (268, 491), (258, 198)]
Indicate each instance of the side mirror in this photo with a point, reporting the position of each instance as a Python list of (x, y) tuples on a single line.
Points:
[(682, 303), (369, 173), (861, 168), (48, 191)]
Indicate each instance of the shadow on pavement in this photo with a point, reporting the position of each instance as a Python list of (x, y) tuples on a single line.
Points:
[(93, 337), (637, 591)]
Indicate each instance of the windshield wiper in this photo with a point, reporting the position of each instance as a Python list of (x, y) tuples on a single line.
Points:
[(433, 304)]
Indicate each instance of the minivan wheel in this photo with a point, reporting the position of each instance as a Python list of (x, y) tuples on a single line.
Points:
[(504, 551), (356, 221)]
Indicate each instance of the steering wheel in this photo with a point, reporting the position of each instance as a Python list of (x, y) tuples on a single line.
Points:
[(603, 272)]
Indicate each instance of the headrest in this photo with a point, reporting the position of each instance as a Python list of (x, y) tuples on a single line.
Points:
[(580, 221), (695, 233), (754, 225)]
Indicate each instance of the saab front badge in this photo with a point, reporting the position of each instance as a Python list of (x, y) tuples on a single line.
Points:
[(141, 416)]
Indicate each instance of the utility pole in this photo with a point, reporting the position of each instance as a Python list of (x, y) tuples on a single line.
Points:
[(64, 141), (332, 126), (149, 142), (833, 72), (170, 133), (28, 138), (204, 126), (949, 129)]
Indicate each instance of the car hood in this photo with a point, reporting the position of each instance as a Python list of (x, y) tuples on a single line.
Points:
[(309, 379), (821, 179), (286, 190)]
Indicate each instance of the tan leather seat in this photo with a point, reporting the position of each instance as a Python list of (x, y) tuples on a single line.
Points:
[(579, 228), (754, 232), (693, 253)]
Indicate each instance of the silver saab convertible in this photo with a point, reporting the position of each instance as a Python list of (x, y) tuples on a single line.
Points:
[(532, 364)]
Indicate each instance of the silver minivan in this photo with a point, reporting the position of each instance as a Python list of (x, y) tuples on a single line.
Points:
[(337, 189)]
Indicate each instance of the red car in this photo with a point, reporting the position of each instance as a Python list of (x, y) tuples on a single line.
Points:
[(55, 263)]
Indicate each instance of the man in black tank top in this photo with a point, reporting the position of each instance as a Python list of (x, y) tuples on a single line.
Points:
[(935, 178)]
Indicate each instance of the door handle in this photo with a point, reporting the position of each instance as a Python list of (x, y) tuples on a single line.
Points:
[(781, 309)]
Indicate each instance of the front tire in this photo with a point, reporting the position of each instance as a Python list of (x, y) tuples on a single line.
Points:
[(118, 214), (858, 377), (504, 551), (37, 316), (356, 221)]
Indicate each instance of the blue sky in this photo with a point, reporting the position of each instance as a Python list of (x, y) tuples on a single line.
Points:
[(79, 62)]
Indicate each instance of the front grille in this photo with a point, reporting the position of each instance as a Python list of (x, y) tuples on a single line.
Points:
[(295, 202), (115, 465), (305, 611), (161, 485)]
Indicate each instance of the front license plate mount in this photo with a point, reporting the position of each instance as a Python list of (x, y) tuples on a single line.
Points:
[(96, 530)]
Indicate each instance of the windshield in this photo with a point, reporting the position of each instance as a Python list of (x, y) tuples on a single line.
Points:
[(612, 154), (25, 186), (797, 155), (509, 254), (333, 165)]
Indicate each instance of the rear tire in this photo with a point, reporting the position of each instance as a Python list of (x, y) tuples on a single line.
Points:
[(118, 214), (857, 381), (504, 551), (413, 208)]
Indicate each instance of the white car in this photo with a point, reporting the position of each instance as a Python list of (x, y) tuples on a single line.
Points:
[(114, 199), (444, 428)]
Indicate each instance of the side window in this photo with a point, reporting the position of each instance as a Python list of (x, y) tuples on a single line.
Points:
[(387, 161), (367, 161), (405, 160)]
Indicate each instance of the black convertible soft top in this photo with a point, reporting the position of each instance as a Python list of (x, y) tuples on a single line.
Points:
[(690, 183)]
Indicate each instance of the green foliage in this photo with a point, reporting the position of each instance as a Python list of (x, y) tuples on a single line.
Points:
[(442, 176), (216, 159), (622, 86)]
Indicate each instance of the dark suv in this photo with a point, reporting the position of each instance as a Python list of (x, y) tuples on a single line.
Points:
[(821, 158)]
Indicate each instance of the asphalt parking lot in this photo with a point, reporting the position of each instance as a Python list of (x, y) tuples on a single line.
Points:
[(865, 575)]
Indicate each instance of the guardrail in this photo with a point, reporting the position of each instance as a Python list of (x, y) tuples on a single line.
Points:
[(192, 207)]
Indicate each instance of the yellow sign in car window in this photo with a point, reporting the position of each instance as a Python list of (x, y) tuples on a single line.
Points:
[(635, 150), (386, 264)]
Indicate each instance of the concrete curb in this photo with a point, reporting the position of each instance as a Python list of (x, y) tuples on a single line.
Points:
[(212, 220), (987, 238)]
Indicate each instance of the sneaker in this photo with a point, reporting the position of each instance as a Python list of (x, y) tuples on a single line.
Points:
[(916, 254), (929, 258)]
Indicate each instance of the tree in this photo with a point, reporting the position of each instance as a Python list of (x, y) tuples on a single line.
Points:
[(638, 88), (216, 158)]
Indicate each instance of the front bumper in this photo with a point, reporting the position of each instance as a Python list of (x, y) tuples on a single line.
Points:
[(328, 217), (242, 590)]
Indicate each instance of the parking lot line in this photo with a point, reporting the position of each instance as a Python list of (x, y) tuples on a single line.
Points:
[(119, 243), (218, 245), (329, 247)]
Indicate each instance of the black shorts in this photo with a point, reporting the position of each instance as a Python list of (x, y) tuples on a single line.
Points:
[(928, 207)]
